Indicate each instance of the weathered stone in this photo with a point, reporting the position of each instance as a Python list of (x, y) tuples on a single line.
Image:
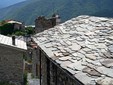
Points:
[(96, 62), (80, 55), (57, 54), (64, 58), (83, 78), (107, 62), (65, 63), (75, 47), (86, 49), (91, 46), (110, 48), (101, 46), (105, 71), (103, 19), (105, 81), (109, 42), (86, 43), (94, 19), (66, 53), (11, 65), (108, 54), (74, 54), (89, 33), (111, 37), (68, 43), (76, 66), (58, 61), (79, 39), (73, 59), (70, 70), (82, 44), (79, 58), (91, 71), (91, 56), (42, 23), (48, 45), (80, 29)]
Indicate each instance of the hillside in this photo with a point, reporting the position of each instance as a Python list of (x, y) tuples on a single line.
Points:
[(5, 3), (28, 10)]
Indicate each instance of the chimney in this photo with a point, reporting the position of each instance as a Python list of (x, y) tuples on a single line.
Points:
[(58, 19), (13, 40)]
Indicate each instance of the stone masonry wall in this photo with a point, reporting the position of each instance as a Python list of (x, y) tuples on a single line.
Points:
[(64, 79), (56, 75), (44, 69), (42, 24), (36, 63), (11, 65)]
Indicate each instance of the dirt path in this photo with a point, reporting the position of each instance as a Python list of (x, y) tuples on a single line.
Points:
[(32, 81)]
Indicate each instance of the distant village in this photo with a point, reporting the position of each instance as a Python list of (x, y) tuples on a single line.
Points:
[(16, 40), (76, 52)]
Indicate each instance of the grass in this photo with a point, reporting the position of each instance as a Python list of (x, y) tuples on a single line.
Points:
[(25, 78)]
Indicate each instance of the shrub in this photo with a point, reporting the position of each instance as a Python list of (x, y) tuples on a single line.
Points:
[(6, 29), (25, 78)]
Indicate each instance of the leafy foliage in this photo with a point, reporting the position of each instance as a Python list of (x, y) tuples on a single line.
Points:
[(6, 29), (2, 22), (29, 30), (25, 78), (18, 33)]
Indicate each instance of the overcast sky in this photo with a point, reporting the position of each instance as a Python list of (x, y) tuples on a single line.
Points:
[(5, 3)]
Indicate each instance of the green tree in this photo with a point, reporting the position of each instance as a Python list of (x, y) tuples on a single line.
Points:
[(18, 33), (6, 29), (3, 22), (29, 30)]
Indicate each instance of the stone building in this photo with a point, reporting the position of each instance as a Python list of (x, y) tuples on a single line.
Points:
[(77, 52), (12, 52), (42, 23), (35, 64), (32, 54), (16, 25)]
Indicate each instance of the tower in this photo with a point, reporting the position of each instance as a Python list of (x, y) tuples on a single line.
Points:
[(55, 19)]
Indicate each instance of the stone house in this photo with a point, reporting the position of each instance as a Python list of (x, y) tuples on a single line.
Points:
[(42, 23), (12, 52), (32, 53), (17, 25), (77, 52)]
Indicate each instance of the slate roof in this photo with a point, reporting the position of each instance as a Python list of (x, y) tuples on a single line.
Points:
[(7, 41), (83, 46)]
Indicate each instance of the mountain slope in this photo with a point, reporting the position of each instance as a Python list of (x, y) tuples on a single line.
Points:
[(28, 11), (5, 3)]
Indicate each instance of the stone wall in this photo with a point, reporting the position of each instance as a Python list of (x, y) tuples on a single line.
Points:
[(59, 77), (11, 65), (54, 75), (36, 63), (41, 24), (44, 69)]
